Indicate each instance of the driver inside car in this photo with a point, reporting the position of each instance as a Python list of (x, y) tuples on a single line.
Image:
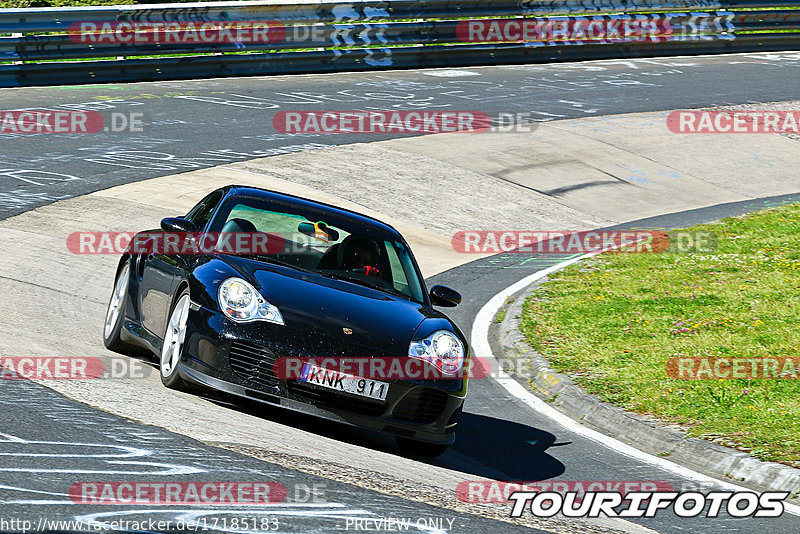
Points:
[(362, 254)]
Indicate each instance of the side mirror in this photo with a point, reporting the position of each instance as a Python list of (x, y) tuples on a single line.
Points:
[(177, 224), (445, 297)]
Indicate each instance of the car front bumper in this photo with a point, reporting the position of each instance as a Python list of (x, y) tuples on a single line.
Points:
[(238, 359)]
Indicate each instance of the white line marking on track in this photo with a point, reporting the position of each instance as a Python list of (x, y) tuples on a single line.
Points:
[(15, 488), (170, 469), (127, 452), (481, 348)]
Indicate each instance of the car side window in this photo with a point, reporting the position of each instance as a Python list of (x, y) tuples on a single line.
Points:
[(398, 276), (201, 214)]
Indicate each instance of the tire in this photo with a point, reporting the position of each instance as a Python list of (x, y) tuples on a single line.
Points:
[(115, 314), (411, 447), (172, 348)]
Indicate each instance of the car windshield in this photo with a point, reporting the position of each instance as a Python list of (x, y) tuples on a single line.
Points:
[(317, 240)]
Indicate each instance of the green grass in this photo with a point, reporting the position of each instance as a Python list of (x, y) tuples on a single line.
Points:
[(612, 322)]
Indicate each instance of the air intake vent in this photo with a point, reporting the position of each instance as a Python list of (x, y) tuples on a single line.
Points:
[(422, 405), (253, 364)]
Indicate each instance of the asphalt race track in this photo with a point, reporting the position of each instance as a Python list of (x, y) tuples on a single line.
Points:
[(203, 123), (107, 445), (194, 124)]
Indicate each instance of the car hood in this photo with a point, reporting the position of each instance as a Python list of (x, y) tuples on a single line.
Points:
[(322, 311)]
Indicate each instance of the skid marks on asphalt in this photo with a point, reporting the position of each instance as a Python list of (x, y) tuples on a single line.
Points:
[(72, 443)]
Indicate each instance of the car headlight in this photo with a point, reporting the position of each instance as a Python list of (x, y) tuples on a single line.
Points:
[(240, 301), (442, 349)]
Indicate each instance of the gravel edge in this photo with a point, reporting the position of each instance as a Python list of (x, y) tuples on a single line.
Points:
[(423, 493)]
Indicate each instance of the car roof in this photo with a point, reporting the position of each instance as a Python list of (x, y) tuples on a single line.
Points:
[(246, 190)]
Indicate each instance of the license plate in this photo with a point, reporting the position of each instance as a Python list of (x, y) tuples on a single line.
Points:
[(328, 378)]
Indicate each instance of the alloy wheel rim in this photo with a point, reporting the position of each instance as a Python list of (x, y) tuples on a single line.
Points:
[(174, 336), (115, 304)]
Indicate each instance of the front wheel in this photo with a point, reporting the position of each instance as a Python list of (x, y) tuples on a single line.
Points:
[(411, 447), (173, 343)]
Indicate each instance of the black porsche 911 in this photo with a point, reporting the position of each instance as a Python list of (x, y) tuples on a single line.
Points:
[(334, 284)]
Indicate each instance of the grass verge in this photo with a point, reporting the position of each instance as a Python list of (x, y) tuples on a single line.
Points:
[(612, 322)]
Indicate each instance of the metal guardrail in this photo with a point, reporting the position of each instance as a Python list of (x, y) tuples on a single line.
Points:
[(48, 46)]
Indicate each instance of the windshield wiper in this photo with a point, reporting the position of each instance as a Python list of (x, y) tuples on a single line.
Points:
[(270, 259), (334, 276), (365, 283)]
